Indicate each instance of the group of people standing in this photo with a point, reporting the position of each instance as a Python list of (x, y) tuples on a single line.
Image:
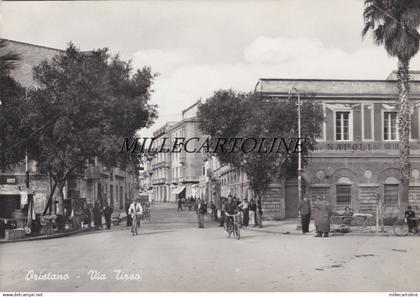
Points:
[(191, 202), (100, 209), (249, 211), (322, 215)]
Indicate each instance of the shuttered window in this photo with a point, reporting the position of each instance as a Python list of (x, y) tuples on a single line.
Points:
[(342, 125), (343, 194), (390, 125), (391, 194)]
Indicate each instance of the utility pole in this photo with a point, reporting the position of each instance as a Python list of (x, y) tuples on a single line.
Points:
[(299, 104)]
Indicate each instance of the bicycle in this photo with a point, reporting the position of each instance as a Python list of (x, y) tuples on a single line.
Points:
[(401, 227), (232, 227), (134, 227)]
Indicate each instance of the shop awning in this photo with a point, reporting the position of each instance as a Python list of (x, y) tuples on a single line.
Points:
[(178, 190)]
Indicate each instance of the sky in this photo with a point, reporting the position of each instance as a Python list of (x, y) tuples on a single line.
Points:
[(200, 46)]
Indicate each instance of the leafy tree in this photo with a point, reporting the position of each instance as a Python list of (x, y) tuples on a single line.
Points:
[(86, 104), (11, 107), (394, 24), (228, 114)]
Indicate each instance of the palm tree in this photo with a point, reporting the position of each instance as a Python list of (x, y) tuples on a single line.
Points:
[(394, 23)]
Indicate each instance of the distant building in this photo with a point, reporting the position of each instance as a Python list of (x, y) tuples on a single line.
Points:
[(176, 174)]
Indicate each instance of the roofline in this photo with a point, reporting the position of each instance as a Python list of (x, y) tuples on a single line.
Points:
[(332, 80), (190, 107), (183, 121), (36, 45)]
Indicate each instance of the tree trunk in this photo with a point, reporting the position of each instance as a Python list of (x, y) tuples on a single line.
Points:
[(404, 125), (49, 202)]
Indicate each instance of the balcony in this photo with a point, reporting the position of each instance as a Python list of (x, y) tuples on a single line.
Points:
[(161, 164), (189, 179), (159, 181)]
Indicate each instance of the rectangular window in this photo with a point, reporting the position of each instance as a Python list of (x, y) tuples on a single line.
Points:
[(342, 125), (390, 125), (343, 194), (390, 194)]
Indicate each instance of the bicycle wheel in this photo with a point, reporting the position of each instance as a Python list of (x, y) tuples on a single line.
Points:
[(228, 230), (401, 228), (237, 232)]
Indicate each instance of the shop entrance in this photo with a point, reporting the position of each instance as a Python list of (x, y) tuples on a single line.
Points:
[(8, 204)]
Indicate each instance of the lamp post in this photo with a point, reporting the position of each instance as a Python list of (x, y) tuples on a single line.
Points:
[(26, 149), (299, 104)]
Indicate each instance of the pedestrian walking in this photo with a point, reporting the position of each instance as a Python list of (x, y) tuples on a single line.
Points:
[(305, 213), (97, 215), (213, 210), (244, 206), (222, 211), (107, 214), (129, 219), (252, 212), (201, 212), (179, 204), (88, 214), (189, 203), (260, 213), (323, 215)]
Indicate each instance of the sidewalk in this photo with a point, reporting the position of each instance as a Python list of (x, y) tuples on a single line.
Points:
[(123, 218), (51, 236), (288, 227)]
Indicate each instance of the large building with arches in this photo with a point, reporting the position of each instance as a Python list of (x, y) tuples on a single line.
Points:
[(356, 161)]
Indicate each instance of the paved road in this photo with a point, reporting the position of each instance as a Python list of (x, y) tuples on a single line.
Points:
[(172, 254)]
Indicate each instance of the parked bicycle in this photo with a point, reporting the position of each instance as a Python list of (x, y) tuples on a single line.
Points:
[(232, 226), (401, 227)]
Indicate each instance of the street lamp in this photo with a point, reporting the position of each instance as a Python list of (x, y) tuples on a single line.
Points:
[(26, 149), (299, 104)]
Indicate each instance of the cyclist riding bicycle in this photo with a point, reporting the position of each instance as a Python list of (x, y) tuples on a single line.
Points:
[(230, 209), (135, 211)]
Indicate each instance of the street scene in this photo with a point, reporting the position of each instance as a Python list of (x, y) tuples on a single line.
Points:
[(210, 146), (172, 254)]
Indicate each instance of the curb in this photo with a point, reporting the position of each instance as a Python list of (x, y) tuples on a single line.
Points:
[(44, 237), (332, 234)]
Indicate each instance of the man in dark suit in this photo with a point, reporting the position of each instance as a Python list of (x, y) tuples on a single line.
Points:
[(305, 213), (201, 212)]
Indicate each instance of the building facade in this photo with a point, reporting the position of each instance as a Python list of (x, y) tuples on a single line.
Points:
[(159, 168), (176, 174), (356, 161)]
